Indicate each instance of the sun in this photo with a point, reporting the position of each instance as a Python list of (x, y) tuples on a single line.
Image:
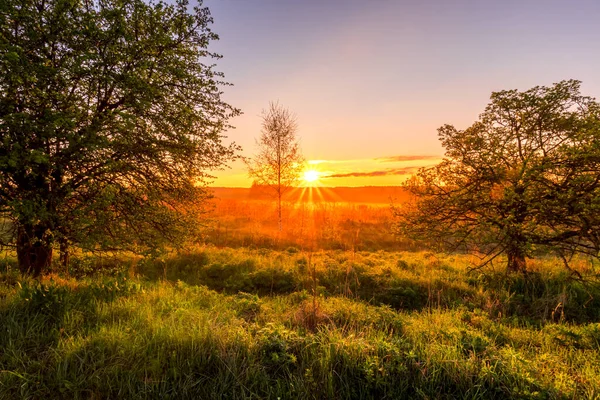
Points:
[(311, 176)]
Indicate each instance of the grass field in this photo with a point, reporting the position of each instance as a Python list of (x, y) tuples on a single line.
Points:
[(322, 225), (239, 323)]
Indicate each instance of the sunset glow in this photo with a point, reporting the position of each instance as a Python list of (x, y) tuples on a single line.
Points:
[(310, 177), (355, 127), (343, 199)]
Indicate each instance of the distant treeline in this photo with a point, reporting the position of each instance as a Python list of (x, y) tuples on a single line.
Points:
[(364, 194)]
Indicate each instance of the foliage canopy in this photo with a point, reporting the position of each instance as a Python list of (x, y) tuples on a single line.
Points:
[(524, 178), (110, 117)]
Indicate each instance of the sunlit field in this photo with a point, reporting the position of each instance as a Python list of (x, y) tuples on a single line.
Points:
[(291, 199), (342, 226), (332, 306), (242, 323), (327, 308), (313, 218)]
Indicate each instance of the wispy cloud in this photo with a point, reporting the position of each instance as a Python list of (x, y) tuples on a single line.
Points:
[(406, 158), (316, 162), (389, 171)]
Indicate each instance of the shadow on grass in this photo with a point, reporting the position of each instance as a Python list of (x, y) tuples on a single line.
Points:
[(536, 298), (40, 314)]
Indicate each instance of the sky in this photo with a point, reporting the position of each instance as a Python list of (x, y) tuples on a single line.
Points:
[(371, 81)]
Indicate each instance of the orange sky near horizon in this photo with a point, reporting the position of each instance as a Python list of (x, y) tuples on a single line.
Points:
[(384, 171), (371, 81)]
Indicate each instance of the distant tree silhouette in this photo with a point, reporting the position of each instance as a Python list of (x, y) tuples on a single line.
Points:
[(109, 120), (524, 177), (279, 161)]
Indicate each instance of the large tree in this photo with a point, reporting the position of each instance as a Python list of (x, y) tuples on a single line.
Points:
[(110, 118), (524, 178), (278, 161)]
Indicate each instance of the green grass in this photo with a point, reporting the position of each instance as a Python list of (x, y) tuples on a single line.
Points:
[(242, 324)]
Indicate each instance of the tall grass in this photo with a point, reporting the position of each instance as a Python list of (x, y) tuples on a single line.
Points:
[(332, 226), (223, 323)]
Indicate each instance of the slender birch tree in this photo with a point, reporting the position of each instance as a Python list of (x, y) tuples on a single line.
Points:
[(278, 161)]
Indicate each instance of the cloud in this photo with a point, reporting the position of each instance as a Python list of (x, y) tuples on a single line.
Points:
[(389, 171), (406, 158), (315, 162)]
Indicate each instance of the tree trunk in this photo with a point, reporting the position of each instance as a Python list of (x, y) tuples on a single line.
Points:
[(279, 211), (516, 250), (34, 250), (64, 253), (279, 179), (516, 261)]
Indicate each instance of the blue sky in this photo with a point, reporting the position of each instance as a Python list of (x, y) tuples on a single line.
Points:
[(372, 79)]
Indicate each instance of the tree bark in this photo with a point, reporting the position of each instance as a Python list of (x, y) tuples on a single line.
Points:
[(279, 211), (516, 261), (64, 253), (34, 250)]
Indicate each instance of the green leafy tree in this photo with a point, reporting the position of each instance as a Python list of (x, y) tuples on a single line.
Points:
[(110, 118), (524, 178), (279, 161)]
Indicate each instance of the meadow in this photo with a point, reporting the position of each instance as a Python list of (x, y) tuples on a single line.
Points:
[(318, 218), (255, 313), (122, 277)]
